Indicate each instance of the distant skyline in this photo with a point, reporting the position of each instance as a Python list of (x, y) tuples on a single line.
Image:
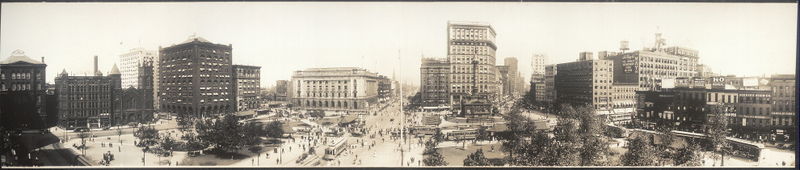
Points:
[(745, 39)]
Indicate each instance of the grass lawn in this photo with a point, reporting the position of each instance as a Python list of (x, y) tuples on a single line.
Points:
[(455, 155)]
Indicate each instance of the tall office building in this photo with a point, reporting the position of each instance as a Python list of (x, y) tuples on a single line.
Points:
[(506, 83), (248, 83), (281, 90), (23, 103), (585, 82), (538, 86), (129, 64), (515, 86), (648, 67), (342, 89), (470, 42), (549, 91), (590, 82), (434, 88), (538, 64), (195, 78)]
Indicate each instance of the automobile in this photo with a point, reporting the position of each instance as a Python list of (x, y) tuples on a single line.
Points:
[(81, 129)]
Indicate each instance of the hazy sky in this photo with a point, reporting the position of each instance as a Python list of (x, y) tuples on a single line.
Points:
[(281, 37)]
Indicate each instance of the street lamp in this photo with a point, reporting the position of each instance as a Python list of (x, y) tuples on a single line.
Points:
[(144, 163)]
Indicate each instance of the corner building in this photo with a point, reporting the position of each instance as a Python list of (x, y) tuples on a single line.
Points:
[(590, 82), (468, 42), (22, 93), (649, 67), (434, 86), (195, 78)]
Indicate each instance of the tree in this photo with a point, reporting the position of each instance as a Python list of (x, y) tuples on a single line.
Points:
[(83, 136), (640, 153), (593, 147), (438, 136), (223, 134), (689, 156), (274, 129), (476, 159), (148, 136), (434, 159), (167, 143), (184, 122), (252, 133), (566, 145), (430, 147), (717, 129), (192, 143)]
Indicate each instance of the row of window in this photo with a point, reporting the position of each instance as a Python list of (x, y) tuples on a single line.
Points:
[(21, 76), (19, 87)]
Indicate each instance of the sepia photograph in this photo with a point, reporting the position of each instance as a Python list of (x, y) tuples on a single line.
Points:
[(347, 84)]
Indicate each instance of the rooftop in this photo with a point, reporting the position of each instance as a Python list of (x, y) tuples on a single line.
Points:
[(19, 56)]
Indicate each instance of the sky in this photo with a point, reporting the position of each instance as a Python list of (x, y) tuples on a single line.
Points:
[(746, 39)]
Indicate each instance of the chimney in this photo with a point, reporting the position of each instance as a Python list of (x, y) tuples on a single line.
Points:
[(42, 59), (95, 65)]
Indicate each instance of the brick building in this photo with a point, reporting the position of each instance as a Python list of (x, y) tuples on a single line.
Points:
[(195, 78), (434, 78), (248, 85), (23, 103)]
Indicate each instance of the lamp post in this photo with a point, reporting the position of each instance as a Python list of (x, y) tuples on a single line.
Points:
[(144, 156)]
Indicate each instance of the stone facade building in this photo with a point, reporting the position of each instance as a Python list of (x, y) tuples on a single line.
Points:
[(340, 89), (468, 42)]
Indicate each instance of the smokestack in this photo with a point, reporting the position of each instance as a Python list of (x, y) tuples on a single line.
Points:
[(95, 65)]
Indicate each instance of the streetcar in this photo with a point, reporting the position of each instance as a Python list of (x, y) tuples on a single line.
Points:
[(465, 134), (334, 150)]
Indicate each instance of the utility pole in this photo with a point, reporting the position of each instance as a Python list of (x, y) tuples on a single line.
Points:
[(402, 115)]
